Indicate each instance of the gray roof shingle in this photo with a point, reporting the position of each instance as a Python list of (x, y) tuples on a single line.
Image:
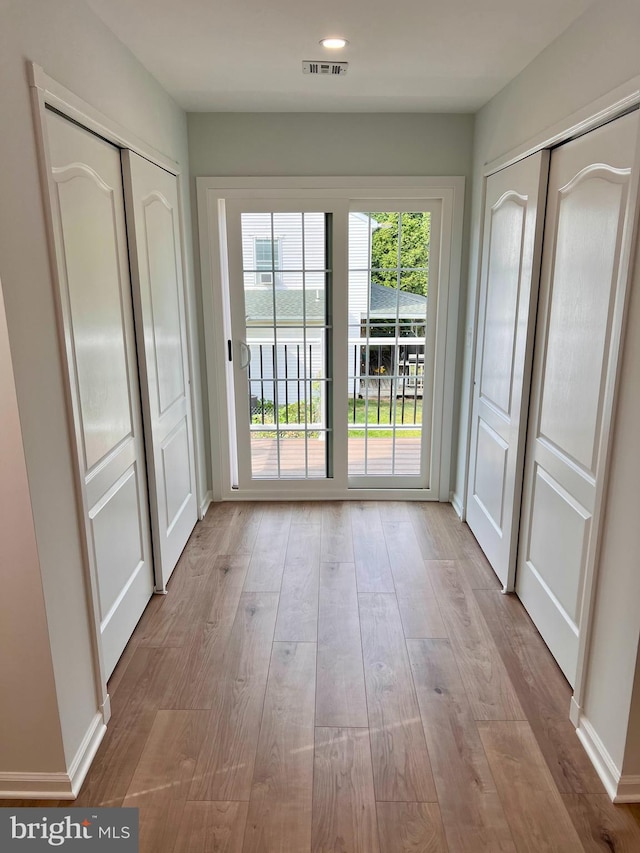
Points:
[(289, 308)]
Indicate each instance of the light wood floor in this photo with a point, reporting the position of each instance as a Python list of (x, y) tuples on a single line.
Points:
[(348, 678)]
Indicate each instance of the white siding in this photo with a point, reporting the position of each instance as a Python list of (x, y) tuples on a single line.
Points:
[(298, 245), (360, 229), (359, 264), (260, 340)]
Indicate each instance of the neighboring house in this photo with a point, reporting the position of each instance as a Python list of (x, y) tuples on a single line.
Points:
[(273, 260)]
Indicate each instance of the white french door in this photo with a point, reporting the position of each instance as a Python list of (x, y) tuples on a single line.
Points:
[(573, 374), (334, 353), (280, 348), (393, 309)]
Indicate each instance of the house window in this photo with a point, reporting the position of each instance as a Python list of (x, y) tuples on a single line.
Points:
[(268, 259)]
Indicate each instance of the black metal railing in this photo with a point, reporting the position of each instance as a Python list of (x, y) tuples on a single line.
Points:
[(383, 377), (381, 373), (262, 408)]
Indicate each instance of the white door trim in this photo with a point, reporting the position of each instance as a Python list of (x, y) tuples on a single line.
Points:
[(610, 106), (66, 102), (47, 92), (211, 195), (600, 111)]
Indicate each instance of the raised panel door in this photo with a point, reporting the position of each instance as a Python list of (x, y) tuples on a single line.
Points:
[(156, 259), (91, 249), (587, 211), (508, 291)]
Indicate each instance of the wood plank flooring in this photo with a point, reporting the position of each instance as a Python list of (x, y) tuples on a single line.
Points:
[(345, 678)]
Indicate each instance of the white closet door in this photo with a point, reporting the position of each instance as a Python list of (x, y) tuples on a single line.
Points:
[(156, 260), (91, 249), (586, 216), (508, 294)]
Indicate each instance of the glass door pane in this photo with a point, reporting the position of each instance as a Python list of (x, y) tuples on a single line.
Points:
[(388, 292), (285, 366)]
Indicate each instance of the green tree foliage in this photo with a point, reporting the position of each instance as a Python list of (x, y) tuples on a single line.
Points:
[(409, 233)]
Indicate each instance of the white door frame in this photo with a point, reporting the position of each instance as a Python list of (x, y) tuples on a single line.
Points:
[(605, 109), (212, 193), (47, 92)]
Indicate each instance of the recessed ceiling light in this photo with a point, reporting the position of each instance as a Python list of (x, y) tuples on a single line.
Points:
[(334, 43)]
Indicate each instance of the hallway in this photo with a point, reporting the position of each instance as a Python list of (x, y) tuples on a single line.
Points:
[(345, 677)]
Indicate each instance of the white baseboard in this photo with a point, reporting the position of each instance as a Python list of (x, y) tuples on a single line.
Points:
[(574, 712), (36, 786), (86, 752), (604, 765), (628, 789), (106, 709), (56, 786), (456, 503), (622, 788), (206, 503)]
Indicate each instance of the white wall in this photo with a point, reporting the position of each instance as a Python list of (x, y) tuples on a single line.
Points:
[(320, 144), (595, 55), (29, 707), (238, 144), (77, 50)]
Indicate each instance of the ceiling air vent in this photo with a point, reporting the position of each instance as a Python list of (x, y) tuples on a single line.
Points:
[(333, 69)]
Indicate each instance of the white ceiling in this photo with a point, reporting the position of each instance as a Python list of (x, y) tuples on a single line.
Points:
[(404, 55)]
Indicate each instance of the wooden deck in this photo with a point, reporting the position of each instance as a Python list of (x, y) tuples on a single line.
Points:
[(379, 452), (345, 676)]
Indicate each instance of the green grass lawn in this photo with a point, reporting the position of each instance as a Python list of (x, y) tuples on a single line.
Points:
[(376, 414), (383, 414)]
